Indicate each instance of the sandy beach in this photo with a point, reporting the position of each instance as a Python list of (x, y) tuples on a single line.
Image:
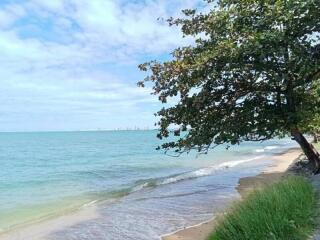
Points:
[(42, 229), (281, 163)]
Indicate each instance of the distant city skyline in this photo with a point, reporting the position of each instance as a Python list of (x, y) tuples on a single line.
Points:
[(87, 130), (72, 65)]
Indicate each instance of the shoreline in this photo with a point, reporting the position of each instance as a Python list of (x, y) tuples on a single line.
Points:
[(41, 229), (280, 165), (200, 231)]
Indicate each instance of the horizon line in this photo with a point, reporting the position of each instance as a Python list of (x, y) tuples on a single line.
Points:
[(90, 130)]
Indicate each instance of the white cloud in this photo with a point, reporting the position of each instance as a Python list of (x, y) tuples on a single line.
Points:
[(58, 57), (9, 14)]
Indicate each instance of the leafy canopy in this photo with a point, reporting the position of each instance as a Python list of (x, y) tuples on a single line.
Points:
[(251, 74)]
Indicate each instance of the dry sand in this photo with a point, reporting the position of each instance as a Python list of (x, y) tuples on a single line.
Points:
[(281, 162)]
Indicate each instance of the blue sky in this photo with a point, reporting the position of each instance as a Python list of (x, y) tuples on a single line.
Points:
[(72, 64)]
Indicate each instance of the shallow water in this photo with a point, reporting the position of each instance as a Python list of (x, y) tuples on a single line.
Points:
[(150, 213), (49, 174)]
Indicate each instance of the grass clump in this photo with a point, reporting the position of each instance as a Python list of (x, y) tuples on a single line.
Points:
[(284, 210)]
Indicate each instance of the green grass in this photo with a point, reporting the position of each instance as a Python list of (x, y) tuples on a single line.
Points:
[(285, 210)]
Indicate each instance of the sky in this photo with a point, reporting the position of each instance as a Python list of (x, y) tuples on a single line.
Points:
[(70, 65)]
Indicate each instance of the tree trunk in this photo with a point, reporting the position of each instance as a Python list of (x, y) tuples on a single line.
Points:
[(308, 149), (316, 136)]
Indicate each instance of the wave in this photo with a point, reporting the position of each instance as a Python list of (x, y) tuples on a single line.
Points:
[(202, 172), (271, 147)]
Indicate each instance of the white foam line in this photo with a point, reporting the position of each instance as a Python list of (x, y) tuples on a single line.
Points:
[(192, 226), (206, 171)]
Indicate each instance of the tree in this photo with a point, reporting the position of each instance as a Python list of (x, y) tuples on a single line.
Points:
[(251, 74), (313, 129)]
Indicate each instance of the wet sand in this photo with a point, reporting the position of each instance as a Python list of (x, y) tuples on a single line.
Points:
[(279, 167), (42, 229)]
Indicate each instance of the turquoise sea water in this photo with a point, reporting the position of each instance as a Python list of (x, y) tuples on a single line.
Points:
[(48, 174)]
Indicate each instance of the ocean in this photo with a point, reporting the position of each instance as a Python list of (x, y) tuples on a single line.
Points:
[(138, 192)]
